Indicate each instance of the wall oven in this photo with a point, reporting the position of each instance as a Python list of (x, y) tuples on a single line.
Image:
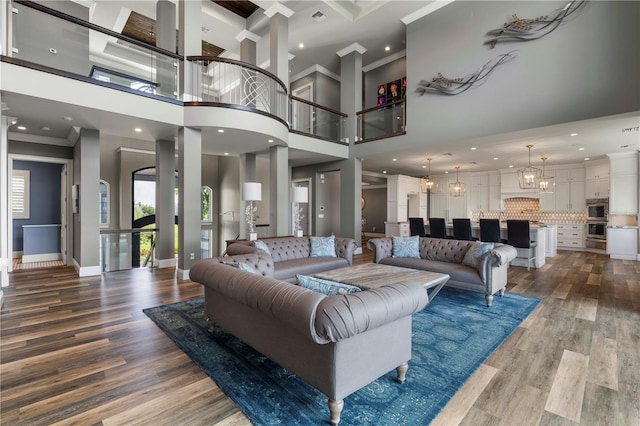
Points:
[(597, 218), (598, 209), (597, 230)]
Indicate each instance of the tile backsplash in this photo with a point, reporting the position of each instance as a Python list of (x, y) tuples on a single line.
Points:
[(529, 209)]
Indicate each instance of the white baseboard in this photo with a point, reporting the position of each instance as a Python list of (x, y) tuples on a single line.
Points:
[(87, 271), (17, 254), (44, 257), (183, 274), (167, 263)]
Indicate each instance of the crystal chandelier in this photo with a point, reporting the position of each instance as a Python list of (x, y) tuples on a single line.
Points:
[(529, 177), (546, 183), (428, 184), (457, 188)]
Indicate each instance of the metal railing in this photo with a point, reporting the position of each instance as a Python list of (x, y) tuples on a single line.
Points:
[(382, 121), (315, 120), (52, 41), (127, 248), (225, 82)]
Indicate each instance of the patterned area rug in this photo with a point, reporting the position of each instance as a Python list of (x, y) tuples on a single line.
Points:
[(452, 336)]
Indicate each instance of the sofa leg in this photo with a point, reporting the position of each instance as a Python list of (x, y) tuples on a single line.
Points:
[(501, 293), (210, 325), (402, 372), (335, 408), (489, 298)]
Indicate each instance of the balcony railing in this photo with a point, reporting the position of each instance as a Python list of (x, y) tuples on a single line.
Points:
[(383, 121), (52, 41), (315, 120), (225, 82), (127, 248)]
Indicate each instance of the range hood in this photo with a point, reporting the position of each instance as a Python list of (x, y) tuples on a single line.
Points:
[(523, 194)]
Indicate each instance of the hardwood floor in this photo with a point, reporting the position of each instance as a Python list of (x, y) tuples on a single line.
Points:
[(80, 351)]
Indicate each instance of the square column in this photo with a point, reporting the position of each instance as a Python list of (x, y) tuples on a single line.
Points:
[(166, 39), (189, 214), (351, 87), (279, 190), (5, 256), (189, 44), (279, 41), (165, 206)]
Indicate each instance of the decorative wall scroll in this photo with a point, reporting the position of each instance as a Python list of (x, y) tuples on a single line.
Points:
[(453, 86), (530, 29)]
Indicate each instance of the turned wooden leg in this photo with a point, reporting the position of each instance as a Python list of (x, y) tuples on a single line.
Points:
[(210, 325), (335, 408), (402, 371), (489, 298), (501, 293)]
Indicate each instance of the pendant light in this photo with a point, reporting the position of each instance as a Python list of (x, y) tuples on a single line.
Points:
[(546, 183), (529, 177), (428, 184), (457, 188)]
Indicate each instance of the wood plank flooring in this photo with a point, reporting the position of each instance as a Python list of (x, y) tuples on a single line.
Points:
[(80, 351)]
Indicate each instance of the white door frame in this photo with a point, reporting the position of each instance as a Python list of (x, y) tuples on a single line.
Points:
[(309, 183), (304, 87), (34, 158)]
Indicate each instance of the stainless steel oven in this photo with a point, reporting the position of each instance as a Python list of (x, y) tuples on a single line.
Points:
[(598, 209), (597, 230)]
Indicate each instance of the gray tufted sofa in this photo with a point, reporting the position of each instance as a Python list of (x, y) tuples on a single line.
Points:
[(445, 256), (322, 339), (291, 256)]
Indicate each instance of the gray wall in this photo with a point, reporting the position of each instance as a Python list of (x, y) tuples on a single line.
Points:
[(382, 75), (586, 68), (41, 150), (375, 209), (325, 194)]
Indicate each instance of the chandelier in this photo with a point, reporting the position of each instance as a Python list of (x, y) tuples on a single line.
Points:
[(546, 183), (457, 188), (428, 184), (529, 177)]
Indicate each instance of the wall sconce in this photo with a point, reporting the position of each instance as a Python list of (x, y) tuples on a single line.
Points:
[(300, 195), (251, 191)]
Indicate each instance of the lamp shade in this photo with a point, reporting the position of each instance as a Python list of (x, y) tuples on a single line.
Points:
[(300, 194), (252, 191)]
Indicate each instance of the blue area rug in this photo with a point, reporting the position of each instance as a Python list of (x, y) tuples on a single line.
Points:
[(452, 336)]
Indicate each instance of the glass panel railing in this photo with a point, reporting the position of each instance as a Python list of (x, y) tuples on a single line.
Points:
[(127, 248), (382, 121), (51, 39), (316, 120), (225, 81)]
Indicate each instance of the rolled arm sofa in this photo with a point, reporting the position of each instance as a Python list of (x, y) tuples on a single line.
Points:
[(446, 256), (292, 255), (337, 344)]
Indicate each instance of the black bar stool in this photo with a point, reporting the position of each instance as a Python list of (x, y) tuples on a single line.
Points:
[(490, 231), (437, 227), (519, 236), (462, 229), (416, 226)]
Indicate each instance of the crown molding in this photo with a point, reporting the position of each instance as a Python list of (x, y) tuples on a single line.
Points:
[(354, 47), (428, 9), (46, 140), (315, 68), (246, 34), (384, 61), (278, 7)]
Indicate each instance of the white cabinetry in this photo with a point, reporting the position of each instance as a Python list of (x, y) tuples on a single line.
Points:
[(622, 243), (597, 180), (495, 201), (399, 190), (548, 199), (478, 191), (396, 229), (510, 185), (551, 248), (570, 189), (623, 198), (446, 206), (571, 236)]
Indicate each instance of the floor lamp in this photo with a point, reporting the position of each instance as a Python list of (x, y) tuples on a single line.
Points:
[(251, 191), (300, 195)]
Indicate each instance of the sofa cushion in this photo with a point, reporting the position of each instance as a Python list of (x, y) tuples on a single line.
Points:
[(407, 247), (456, 271), (323, 246), (260, 245), (473, 255), (287, 269), (330, 288)]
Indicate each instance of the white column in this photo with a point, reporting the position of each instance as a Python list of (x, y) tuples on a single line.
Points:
[(279, 41), (5, 256), (279, 190), (189, 43), (165, 205), (189, 215)]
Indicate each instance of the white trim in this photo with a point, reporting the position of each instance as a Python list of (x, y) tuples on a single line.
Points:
[(278, 7), (246, 34), (353, 47), (315, 68), (17, 255), (266, 64), (428, 9), (46, 140), (87, 271), (385, 61), (135, 150), (44, 257), (182, 274), (166, 263)]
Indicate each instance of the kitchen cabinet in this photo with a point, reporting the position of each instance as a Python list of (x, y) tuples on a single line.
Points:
[(571, 236), (399, 189), (622, 242), (446, 206), (495, 201), (396, 229), (551, 248), (569, 189), (509, 184), (548, 199), (597, 180), (623, 197), (479, 192)]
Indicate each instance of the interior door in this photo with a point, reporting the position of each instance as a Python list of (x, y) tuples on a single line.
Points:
[(63, 213), (303, 113)]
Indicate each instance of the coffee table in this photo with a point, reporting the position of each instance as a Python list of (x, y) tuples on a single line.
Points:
[(374, 275)]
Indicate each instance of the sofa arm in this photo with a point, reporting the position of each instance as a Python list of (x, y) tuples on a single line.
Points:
[(381, 248), (341, 317), (500, 255), (260, 261), (240, 248), (345, 248)]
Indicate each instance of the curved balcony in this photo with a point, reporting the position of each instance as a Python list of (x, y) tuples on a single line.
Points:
[(382, 121), (227, 83)]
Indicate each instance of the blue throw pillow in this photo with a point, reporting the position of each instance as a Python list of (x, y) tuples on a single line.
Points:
[(475, 252), (323, 246), (261, 245), (247, 268), (408, 247), (330, 288)]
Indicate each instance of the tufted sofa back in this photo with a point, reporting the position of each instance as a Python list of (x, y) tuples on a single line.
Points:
[(260, 261), (444, 250), (288, 248)]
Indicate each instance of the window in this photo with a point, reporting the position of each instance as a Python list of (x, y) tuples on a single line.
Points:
[(205, 206), (104, 203), (20, 189)]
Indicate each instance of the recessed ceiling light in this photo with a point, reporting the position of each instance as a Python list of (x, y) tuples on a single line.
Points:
[(394, 159), (511, 166), (446, 172), (220, 130), (473, 148), (384, 171), (581, 148), (45, 128), (495, 158), (138, 130), (22, 128), (270, 141), (574, 134), (67, 118), (587, 159), (424, 167), (387, 48), (301, 45), (226, 153)]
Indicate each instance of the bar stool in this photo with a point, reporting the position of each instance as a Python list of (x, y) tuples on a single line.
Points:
[(462, 229), (490, 231), (519, 236), (416, 226), (437, 227)]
